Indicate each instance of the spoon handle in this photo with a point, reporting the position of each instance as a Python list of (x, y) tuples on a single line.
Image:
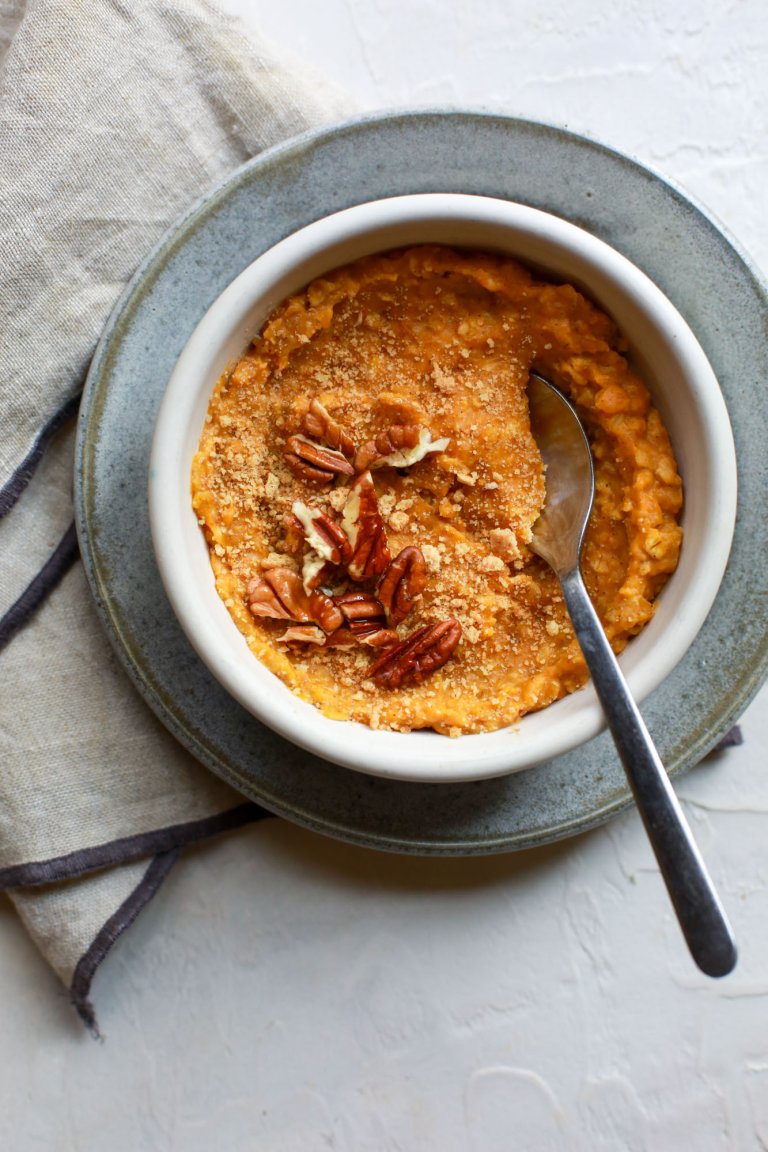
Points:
[(702, 919)]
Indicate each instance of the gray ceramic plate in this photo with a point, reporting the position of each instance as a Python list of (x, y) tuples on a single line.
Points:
[(640, 214)]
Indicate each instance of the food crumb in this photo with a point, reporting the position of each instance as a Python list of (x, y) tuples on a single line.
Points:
[(431, 556), (504, 544), (492, 564)]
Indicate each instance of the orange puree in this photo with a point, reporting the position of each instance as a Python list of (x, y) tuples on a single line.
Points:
[(444, 340)]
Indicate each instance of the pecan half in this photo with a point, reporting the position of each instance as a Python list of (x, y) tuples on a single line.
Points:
[(362, 522), (416, 657), (280, 594), (404, 581), (399, 447), (323, 534), (310, 461), (320, 425)]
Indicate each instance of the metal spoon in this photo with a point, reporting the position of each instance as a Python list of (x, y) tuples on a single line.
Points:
[(557, 537)]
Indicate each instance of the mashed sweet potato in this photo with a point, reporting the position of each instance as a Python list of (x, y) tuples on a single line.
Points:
[(438, 342)]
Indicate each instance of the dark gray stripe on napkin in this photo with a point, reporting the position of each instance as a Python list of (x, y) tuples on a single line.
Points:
[(122, 851), (732, 739), (56, 566), (110, 933), (13, 488)]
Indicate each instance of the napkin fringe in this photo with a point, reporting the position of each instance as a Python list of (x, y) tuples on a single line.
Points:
[(13, 488), (104, 940), (129, 848)]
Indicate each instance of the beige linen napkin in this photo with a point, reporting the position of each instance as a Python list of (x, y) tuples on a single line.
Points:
[(114, 116)]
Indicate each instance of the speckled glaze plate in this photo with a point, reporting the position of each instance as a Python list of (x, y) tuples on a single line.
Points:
[(651, 222)]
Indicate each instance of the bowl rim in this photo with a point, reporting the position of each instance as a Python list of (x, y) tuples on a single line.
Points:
[(429, 757)]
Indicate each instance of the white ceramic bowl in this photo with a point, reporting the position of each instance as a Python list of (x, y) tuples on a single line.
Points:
[(665, 350)]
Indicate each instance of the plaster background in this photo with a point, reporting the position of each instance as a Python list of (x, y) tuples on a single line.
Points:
[(289, 993)]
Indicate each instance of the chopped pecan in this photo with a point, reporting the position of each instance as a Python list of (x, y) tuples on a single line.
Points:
[(404, 581), (280, 595), (381, 638), (416, 657), (362, 522), (320, 425), (377, 638), (294, 539), (316, 571), (323, 534), (396, 438), (362, 612), (272, 596), (324, 612), (303, 634), (341, 638), (399, 447), (310, 461), (365, 621)]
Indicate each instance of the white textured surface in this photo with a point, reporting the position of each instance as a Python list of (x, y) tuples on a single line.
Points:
[(289, 993)]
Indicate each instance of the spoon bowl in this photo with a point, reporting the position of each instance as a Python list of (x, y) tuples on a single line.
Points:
[(558, 535), (565, 452)]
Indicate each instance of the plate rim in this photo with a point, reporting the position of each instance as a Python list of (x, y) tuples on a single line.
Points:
[(94, 396)]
